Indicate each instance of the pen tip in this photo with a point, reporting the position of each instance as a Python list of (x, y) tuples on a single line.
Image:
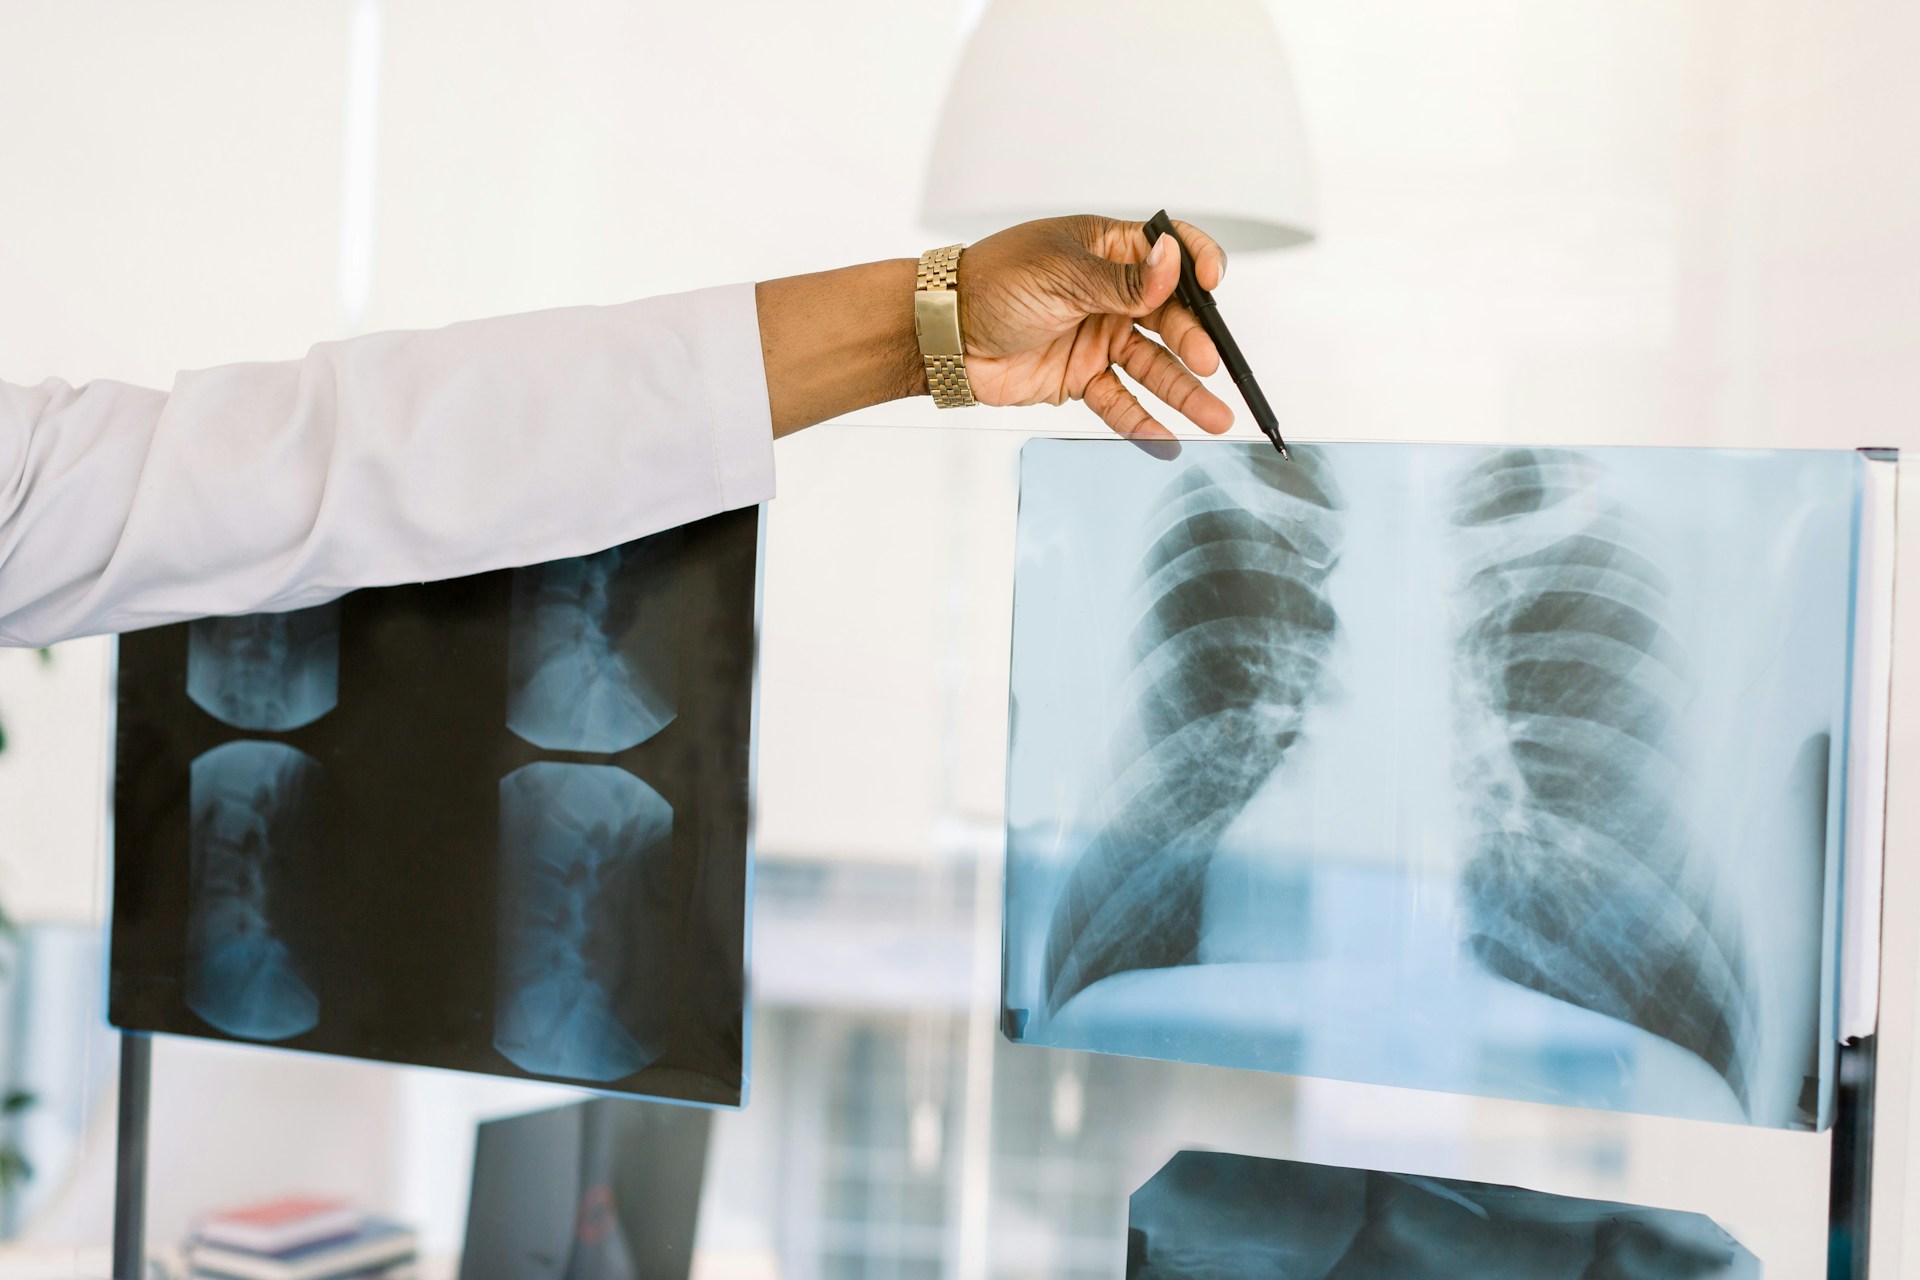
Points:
[(1283, 452)]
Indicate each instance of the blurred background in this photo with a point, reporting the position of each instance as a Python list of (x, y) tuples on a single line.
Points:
[(1663, 222)]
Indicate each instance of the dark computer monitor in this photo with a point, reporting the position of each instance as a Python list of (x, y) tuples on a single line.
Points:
[(607, 1189)]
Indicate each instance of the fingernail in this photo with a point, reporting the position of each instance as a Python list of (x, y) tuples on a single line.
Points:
[(1158, 252), (1223, 269)]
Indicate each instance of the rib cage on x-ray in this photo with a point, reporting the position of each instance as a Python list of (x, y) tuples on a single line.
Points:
[(1502, 771), (254, 810), (1229, 648), (1582, 880)]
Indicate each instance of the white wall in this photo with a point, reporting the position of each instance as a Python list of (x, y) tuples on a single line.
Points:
[(1578, 220)]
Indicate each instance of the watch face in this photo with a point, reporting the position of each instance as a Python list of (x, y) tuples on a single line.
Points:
[(495, 824)]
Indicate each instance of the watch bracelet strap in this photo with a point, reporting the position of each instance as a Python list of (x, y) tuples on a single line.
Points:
[(945, 362)]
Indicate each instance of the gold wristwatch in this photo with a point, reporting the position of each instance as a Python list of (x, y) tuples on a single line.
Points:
[(936, 322)]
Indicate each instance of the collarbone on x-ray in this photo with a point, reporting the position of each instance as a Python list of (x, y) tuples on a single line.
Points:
[(1478, 708)]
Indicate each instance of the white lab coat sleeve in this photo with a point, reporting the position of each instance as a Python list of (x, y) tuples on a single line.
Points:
[(394, 457)]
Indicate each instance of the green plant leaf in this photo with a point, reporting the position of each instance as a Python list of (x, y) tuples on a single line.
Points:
[(17, 1100), (14, 1168)]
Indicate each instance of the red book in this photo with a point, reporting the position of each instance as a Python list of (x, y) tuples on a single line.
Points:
[(277, 1226)]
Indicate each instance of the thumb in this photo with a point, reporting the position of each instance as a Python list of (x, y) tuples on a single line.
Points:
[(1134, 288)]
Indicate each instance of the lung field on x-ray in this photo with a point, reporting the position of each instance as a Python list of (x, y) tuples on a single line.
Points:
[(1228, 655), (266, 671), (254, 814), (1583, 881), (591, 658), (582, 992)]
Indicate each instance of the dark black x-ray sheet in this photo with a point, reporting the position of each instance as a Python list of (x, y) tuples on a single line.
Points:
[(495, 824), (1208, 1215)]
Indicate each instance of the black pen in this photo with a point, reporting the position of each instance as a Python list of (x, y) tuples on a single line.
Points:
[(1201, 303)]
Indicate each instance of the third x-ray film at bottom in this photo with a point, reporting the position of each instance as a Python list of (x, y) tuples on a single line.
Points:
[(1504, 771)]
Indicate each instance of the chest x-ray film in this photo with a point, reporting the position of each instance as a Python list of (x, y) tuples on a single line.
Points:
[(495, 824), (1208, 1215), (1512, 772)]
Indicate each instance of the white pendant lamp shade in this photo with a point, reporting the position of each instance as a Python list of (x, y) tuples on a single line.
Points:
[(1123, 107)]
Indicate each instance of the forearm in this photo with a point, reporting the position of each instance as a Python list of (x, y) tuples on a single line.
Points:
[(837, 341)]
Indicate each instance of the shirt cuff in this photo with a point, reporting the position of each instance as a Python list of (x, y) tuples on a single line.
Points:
[(727, 325)]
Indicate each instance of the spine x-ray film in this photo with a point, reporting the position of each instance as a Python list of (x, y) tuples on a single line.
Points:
[(495, 824)]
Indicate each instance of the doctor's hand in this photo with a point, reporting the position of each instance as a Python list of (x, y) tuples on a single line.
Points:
[(1049, 310)]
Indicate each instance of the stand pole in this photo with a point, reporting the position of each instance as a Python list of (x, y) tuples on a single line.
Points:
[(1850, 1191), (130, 1170)]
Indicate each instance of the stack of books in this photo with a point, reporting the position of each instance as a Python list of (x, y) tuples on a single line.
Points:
[(299, 1238)]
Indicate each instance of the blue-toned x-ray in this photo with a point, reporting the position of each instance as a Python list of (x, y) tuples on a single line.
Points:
[(591, 655), (254, 815), (266, 671), (513, 837), (1499, 771), (582, 851), (1208, 1215)]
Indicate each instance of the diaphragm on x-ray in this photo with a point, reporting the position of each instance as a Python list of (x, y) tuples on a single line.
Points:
[(1513, 772), (495, 824)]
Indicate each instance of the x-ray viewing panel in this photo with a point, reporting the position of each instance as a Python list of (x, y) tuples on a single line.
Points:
[(1513, 772), (1208, 1215), (413, 826)]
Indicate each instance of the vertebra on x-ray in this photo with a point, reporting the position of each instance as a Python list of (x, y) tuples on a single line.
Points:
[(266, 671), (254, 811), (583, 908), (591, 659)]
